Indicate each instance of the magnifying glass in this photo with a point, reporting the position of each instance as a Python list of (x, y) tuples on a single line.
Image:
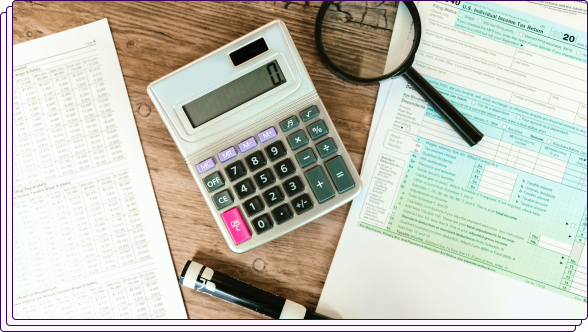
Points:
[(354, 40)]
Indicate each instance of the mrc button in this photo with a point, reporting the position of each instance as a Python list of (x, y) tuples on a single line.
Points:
[(213, 182)]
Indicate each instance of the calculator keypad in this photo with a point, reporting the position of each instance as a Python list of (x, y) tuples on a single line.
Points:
[(273, 176)]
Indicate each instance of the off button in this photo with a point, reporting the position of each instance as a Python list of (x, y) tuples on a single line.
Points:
[(213, 182)]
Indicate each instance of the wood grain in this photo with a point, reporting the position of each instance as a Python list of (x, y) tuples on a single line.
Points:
[(155, 38)]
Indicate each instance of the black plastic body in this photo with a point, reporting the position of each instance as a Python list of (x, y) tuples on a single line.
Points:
[(452, 116), (248, 51), (243, 294)]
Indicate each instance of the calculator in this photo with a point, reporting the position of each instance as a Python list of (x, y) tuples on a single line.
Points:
[(256, 137)]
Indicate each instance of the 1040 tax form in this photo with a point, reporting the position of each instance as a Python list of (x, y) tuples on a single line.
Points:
[(443, 230)]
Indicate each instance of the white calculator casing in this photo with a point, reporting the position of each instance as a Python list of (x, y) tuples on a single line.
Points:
[(216, 69)]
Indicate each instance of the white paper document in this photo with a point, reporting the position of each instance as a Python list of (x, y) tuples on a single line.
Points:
[(88, 241), (497, 231)]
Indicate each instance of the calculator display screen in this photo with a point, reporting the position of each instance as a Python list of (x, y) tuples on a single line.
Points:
[(235, 93)]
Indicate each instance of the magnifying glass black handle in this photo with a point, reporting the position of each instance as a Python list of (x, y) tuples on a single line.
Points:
[(456, 120)]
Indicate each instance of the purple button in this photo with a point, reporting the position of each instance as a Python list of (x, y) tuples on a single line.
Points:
[(229, 153), (247, 144), (267, 134), (205, 166)]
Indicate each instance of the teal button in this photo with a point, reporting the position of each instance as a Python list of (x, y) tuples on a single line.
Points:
[(306, 158), (340, 174), (289, 123), (213, 182), (320, 185), (317, 130), (297, 140), (309, 114), (326, 148)]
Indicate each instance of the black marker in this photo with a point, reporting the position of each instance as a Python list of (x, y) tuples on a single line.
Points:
[(205, 280)]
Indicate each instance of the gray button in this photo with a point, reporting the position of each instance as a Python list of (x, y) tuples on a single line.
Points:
[(320, 185), (222, 199), (289, 123), (340, 174), (213, 182), (309, 114), (297, 140)]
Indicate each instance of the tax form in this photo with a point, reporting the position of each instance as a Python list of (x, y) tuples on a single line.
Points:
[(87, 237), (443, 230)]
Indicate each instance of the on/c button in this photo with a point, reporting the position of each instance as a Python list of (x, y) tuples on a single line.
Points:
[(236, 225)]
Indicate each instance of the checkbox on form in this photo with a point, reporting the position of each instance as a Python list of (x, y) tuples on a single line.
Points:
[(479, 21), (520, 34), (460, 15)]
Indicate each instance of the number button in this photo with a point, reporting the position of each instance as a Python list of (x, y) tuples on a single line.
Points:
[(244, 188), (222, 199), (297, 140), (302, 204), (282, 214), (213, 182), (264, 178), (256, 160), (253, 206), (289, 123), (317, 130), (293, 186), (235, 170), (326, 148), (262, 224), (284, 168), (275, 150), (273, 196), (309, 114)]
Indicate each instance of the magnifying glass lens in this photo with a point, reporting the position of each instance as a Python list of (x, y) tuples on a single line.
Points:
[(367, 39)]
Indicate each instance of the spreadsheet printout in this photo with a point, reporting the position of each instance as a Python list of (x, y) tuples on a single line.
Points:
[(88, 241), (514, 205)]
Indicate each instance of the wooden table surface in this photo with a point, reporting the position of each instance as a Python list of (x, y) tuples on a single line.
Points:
[(154, 38)]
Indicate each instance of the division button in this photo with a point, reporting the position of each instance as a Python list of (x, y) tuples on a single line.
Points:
[(253, 206), (297, 140), (247, 144), (282, 214), (302, 204), (213, 182), (340, 174), (326, 147), (228, 154), (306, 158), (222, 199), (293, 186), (235, 170), (262, 223), (205, 166), (289, 123), (267, 134), (317, 130), (309, 114), (236, 225), (320, 185)]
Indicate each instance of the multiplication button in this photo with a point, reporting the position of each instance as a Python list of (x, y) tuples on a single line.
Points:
[(339, 174), (320, 185), (297, 140)]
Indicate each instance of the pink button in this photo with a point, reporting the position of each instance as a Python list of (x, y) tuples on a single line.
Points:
[(236, 225)]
